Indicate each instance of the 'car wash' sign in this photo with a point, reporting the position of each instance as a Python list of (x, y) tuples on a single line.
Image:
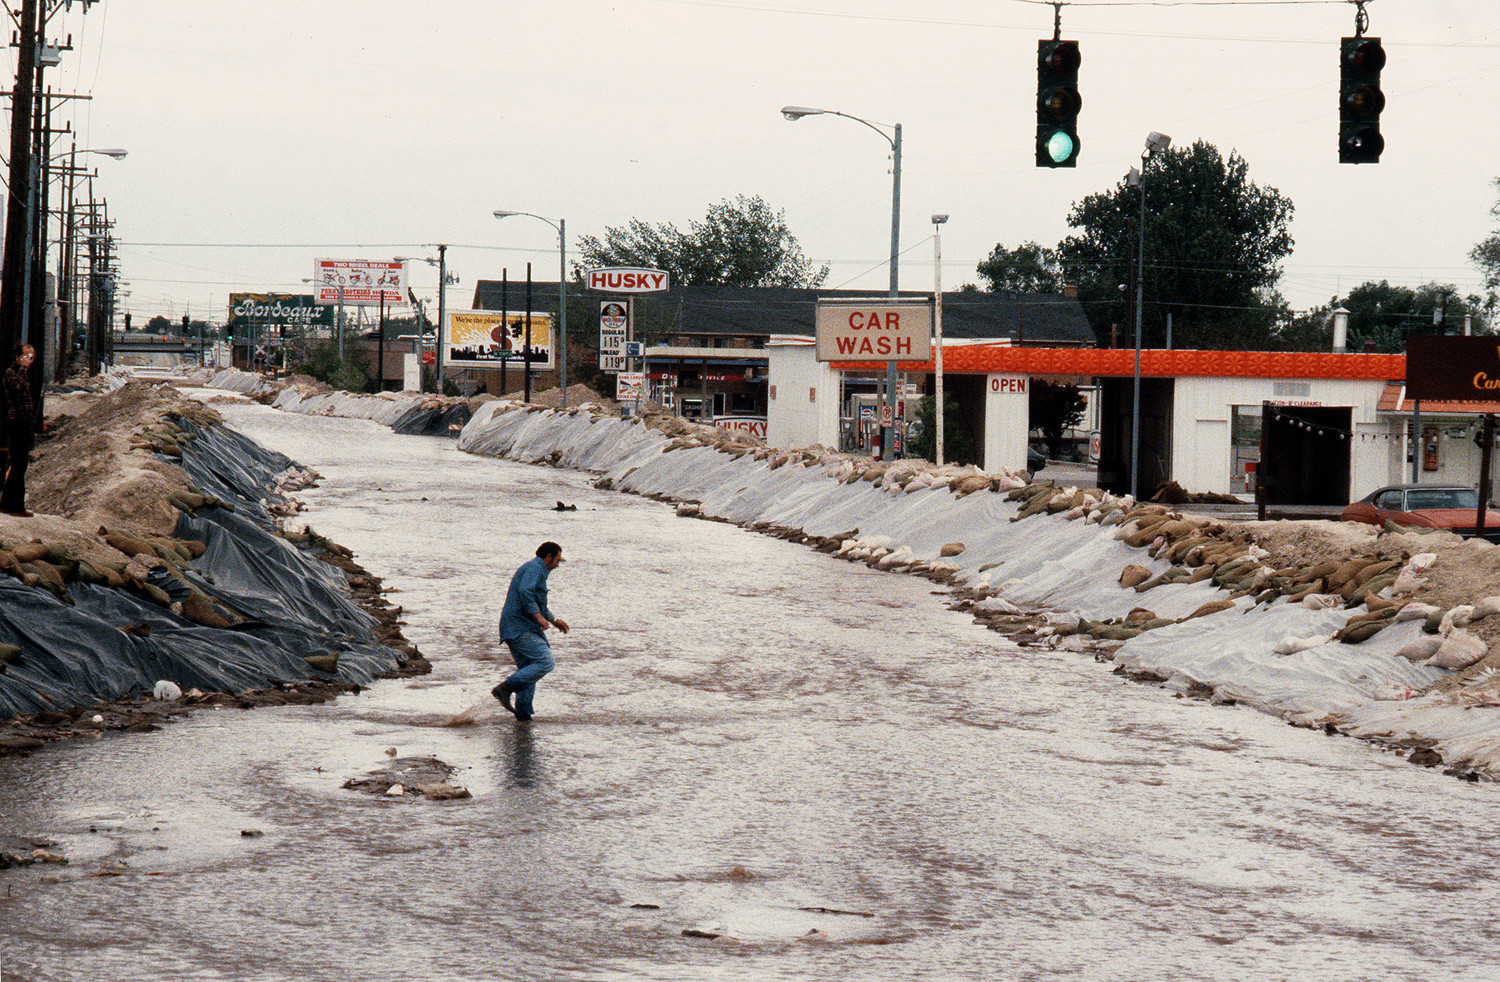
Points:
[(1461, 369), (876, 329)]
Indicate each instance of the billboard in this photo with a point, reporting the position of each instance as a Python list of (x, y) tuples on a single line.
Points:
[(490, 339), (360, 282), (1461, 369), (248, 310)]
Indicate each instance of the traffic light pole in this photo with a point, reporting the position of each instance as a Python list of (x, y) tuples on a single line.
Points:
[(887, 441)]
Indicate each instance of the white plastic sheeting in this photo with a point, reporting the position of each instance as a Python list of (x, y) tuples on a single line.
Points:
[(1040, 563)]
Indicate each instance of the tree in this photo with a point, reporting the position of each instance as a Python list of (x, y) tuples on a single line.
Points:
[(958, 442), (1028, 268), (1486, 255), (1384, 316), (739, 243), (158, 325), (1214, 244), (323, 363), (1055, 407)]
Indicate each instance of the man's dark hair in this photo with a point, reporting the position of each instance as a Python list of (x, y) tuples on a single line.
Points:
[(548, 549), (20, 349)]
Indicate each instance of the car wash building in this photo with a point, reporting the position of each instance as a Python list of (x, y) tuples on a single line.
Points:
[(1311, 428), (705, 348)]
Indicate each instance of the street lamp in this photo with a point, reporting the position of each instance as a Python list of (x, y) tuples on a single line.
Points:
[(338, 324), (797, 112), (937, 324), (562, 289), (444, 278), (1155, 143), (36, 262)]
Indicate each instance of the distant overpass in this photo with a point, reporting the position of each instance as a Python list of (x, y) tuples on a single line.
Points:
[(138, 348)]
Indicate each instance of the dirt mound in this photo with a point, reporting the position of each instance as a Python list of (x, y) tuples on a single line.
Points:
[(577, 396), (100, 468)]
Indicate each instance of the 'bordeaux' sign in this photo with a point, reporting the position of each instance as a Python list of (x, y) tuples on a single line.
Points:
[(626, 279), (1461, 369), (876, 329), (276, 309)]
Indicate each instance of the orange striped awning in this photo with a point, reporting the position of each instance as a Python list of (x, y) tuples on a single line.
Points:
[(979, 359)]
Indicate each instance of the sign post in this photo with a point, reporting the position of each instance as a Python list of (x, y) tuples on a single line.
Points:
[(612, 322), (617, 319), (878, 329)]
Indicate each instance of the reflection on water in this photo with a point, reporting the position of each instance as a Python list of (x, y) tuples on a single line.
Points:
[(520, 750), (814, 761)]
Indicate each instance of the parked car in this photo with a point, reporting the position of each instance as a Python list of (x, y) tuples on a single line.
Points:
[(1441, 506)]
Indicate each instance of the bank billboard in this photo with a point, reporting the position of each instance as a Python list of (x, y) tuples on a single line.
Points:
[(253, 312), (489, 339)]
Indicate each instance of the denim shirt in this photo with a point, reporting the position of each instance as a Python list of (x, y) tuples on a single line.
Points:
[(527, 596)]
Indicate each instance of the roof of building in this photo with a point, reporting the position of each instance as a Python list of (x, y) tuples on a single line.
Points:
[(750, 311), (1393, 400)]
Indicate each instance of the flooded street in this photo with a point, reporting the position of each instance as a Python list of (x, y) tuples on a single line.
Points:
[(743, 737)]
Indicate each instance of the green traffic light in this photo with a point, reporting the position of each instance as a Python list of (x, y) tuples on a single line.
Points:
[(1061, 147)]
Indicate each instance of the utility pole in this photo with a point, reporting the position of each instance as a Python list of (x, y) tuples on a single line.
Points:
[(437, 349), (17, 203)]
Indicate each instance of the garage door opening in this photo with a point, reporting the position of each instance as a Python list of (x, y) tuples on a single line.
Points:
[(1304, 456)]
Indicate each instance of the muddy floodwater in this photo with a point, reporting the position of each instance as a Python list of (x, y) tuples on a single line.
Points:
[(815, 761)]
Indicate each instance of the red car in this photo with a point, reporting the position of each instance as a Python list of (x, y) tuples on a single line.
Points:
[(1441, 506)]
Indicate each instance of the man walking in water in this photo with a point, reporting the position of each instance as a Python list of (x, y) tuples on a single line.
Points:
[(522, 625)]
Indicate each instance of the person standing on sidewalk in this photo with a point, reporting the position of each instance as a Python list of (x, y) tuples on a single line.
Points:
[(523, 623), (20, 423)]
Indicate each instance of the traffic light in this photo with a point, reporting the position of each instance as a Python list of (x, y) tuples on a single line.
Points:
[(1057, 103), (1360, 100)]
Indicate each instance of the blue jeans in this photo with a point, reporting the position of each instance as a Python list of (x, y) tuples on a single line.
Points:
[(533, 656)]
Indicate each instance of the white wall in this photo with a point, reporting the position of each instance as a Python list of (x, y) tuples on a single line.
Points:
[(1458, 456), (1201, 425), (1007, 421), (802, 397)]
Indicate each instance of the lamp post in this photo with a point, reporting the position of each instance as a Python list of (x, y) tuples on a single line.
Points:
[(894, 139), (937, 326), (444, 278), (1155, 143), (562, 290)]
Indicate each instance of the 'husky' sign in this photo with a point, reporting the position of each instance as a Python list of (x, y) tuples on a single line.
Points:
[(626, 279), (877, 329)]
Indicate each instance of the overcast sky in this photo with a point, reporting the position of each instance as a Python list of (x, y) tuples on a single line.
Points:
[(266, 133)]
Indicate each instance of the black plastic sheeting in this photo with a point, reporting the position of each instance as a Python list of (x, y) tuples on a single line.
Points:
[(435, 421), (294, 606)]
